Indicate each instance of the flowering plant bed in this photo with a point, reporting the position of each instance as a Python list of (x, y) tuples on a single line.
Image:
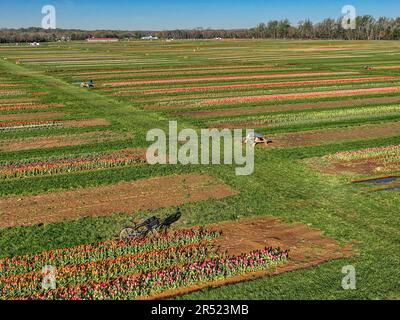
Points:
[(66, 164), (37, 124), (153, 282), (22, 106), (132, 269), (307, 118), (287, 96)]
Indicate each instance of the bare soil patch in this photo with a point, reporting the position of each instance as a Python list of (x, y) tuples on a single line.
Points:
[(17, 100), (85, 123), (31, 116), (334, 135), (287, 107), (376, 165), (150, 193), (60, 141), (307, 248)]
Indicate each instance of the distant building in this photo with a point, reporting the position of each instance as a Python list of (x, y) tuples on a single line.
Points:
[(102, 40), (150, 38)]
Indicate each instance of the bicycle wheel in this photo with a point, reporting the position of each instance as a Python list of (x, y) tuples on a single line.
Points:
[(126, 234)]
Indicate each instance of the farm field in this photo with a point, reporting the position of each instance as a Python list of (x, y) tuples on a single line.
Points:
[(73, 169)]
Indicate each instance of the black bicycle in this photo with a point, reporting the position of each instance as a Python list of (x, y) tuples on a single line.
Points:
[(149, 226)]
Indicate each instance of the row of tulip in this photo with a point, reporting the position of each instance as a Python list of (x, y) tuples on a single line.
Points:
[(387, 151), (306, 118), (102, 270), (67, 164), (221, 78), (8, 85), (303, 95), (22, 106), (7, 93), (270, 84), (36, 124), (103, 250), (179, 276)]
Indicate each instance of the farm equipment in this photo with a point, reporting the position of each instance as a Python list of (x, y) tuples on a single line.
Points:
[(149, 226), (89, 84), (257, 138)]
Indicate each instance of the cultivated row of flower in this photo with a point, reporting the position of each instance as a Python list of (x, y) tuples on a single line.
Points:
[(102, 270), (21, 106), (157, 281), (7, 93), (302, 95), (318, 117), (269, 84), (220, 78), (366, 153), (66, 164), (103, 250), (35, 124)]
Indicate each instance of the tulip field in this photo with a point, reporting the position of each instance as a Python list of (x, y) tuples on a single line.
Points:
[(324, 194), (135, 269)]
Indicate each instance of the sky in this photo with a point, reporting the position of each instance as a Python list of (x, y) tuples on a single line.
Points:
[(181, 14)]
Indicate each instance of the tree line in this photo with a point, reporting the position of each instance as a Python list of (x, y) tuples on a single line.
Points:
[(367, 28)]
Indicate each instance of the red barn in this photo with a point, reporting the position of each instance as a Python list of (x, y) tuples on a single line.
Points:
[(102, 40)]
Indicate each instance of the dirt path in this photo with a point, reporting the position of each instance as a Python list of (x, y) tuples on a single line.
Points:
[(286, 107), (105, 200), (373, 165), (60, 141), (307, 248), (85, 123), (334, 135)]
